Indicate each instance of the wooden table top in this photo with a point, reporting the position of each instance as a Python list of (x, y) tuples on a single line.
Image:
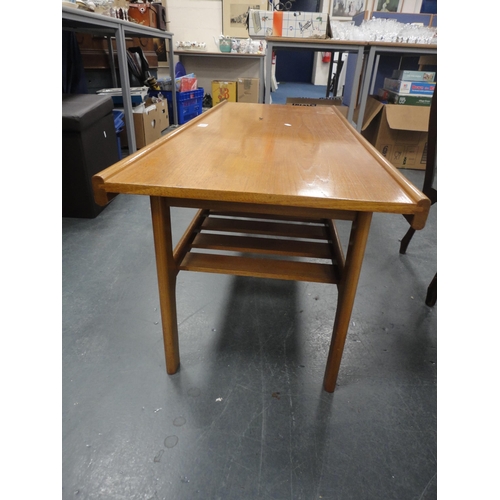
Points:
[(281, 155)]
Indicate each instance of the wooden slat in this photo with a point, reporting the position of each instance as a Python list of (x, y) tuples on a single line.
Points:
[(260, 268), (267, 228), (310, 249), (275, 217)]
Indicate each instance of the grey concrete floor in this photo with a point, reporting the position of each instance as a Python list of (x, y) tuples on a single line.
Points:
[(246, 416)]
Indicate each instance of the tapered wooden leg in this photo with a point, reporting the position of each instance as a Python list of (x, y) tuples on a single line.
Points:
[(347, 292), (167, 275)]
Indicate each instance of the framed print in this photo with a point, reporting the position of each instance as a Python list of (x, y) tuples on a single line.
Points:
[(388, 6), (343, 10), (234, 16), (161, 51)]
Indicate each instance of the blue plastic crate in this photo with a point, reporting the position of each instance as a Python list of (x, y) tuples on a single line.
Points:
[(118, 117), (189, 104)]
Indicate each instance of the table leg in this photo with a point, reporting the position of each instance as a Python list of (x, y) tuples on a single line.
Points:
[(347, 293), (167, 274)]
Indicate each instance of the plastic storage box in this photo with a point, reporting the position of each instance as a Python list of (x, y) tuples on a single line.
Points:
[(189, 104)]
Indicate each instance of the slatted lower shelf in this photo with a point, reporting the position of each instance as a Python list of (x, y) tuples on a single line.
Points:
[(260, 268), (253, 247), (245, 244)]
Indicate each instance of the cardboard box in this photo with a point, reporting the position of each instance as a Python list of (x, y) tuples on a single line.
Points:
[(289, 24), (163, 112), (260, 23), (223, 91), (247, 90), (147, 125), (398, 132), (150, 119), (302, 24), (405, 87), (309, 101)]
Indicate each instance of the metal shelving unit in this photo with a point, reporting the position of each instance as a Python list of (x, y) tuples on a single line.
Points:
[(227, 57), (88, 22)]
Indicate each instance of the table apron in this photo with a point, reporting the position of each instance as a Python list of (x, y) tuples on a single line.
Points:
[(281, 210)]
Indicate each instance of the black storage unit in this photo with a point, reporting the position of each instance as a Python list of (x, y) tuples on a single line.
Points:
[(89, 145)]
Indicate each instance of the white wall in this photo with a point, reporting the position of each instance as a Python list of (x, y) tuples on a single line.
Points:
[(195, 20)]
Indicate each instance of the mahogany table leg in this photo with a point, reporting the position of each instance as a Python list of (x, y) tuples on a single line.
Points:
[(167, 274), (347, 292)]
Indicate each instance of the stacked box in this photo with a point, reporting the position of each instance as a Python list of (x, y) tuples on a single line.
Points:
[(398, 132), (303, 24), (223, 90), (248, 90), (260, 23), (409, 87), (408, 99)]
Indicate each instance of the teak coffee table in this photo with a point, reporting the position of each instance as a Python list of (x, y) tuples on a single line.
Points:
[(269, 181)]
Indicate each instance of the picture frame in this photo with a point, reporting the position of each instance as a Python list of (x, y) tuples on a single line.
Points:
[(342, 10), (161, 51), (234, 16), (388, 6)]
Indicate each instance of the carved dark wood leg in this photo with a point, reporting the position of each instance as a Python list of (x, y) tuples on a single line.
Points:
[(431, 297), (406, 240)]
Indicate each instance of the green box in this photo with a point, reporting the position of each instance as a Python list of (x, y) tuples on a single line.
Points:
[(405, 99)]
